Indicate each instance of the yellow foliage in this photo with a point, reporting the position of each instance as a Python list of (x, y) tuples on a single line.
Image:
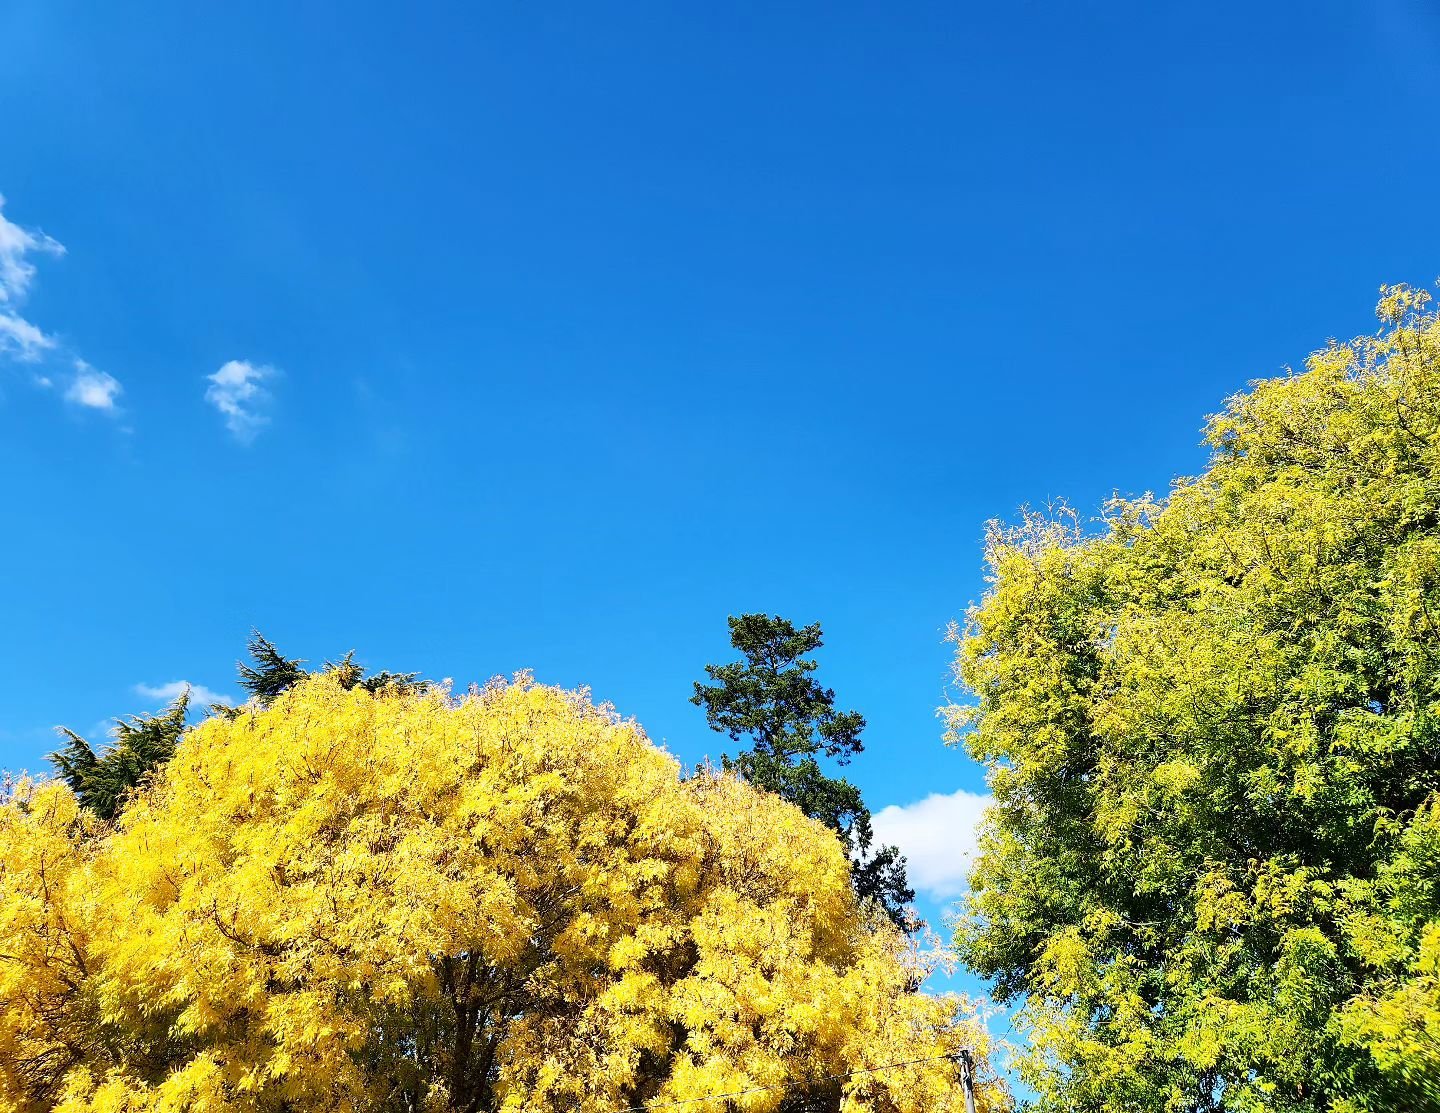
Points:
[(511, 901)]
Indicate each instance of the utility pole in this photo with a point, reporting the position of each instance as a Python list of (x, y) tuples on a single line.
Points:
[(967, 1078)]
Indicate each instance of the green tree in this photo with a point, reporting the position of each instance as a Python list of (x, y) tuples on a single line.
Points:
[(269, 672), (772, 698), (102, 780), (1211, 878)]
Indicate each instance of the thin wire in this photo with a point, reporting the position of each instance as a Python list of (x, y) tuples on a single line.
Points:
[(782, 1085)]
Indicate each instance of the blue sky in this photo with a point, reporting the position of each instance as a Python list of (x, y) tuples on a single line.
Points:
[(502, 336)]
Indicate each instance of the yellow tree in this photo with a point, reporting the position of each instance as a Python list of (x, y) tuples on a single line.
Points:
[(395, 900)]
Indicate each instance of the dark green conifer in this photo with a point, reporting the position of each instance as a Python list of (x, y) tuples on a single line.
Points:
[(772, 698), (271, 671), (103, 780)]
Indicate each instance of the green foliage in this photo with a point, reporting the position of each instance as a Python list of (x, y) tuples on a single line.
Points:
[(102, 781), (772, 698), (1212, 874), (270, 672)]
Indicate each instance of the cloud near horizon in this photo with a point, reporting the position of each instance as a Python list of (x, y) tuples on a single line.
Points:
[(938, 836), (235, 391)]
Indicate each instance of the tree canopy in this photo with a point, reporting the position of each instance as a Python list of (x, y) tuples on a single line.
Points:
[(102, 779), (1211, 878), (772, 698), (270, 672), (398, 900)]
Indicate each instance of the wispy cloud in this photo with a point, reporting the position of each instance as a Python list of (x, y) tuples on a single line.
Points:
[(19, 337), (91, 388), (25, 341), (937, 835), (236, 392), (200, 696)]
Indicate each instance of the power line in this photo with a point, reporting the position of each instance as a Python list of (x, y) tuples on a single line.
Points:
[(786, 1085)]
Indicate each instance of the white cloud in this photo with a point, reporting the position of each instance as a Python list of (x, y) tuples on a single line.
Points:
[(93, 389), (937, 836), (22, 339), (17, 335), (200, 696), (16, 243), (25, 341), (236, 392)]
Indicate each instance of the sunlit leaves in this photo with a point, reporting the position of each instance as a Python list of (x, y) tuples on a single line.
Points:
[(393, 900), (1213, 869)]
